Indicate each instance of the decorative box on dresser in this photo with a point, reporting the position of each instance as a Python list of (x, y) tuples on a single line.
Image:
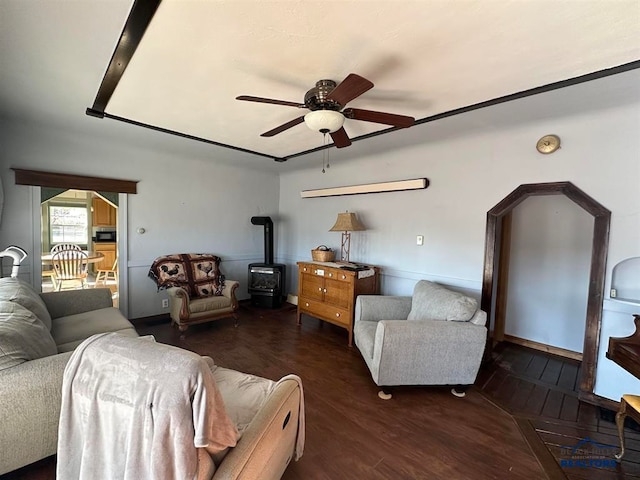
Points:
[(327, 292)]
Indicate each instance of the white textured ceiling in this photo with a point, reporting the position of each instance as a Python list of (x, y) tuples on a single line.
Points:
[(425, 57)]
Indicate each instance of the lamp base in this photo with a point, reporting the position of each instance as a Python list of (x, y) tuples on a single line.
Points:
[(345, 247)]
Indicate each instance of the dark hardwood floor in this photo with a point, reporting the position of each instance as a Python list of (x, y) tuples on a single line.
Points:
[(541, 392), (502, 429)]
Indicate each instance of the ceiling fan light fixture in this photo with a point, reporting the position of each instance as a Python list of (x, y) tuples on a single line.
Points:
[(325, 121)]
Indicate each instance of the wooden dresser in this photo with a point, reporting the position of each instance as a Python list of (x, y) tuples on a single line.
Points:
[(329, 293)]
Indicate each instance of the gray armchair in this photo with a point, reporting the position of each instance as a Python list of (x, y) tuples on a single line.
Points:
[(435, 337)]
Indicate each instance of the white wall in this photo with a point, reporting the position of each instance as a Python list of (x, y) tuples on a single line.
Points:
[(550, 260), (473, 161), (185, 204), (199, 201)]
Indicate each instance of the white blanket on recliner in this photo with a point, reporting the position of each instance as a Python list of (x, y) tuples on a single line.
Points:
[(134, 409)]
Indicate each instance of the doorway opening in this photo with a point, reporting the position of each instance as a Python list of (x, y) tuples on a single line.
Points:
[(88, 221), (496, 263)]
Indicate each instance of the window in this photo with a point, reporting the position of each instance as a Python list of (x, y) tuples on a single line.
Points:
[(68, 224)]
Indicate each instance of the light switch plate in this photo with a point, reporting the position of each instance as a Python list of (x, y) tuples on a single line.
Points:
[(420, 240)]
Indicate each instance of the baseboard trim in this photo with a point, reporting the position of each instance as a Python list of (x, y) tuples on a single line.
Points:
[(151, 320), (561, 352)]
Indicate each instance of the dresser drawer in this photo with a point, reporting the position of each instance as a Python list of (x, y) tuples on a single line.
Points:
[(337, 274), (326, 312)]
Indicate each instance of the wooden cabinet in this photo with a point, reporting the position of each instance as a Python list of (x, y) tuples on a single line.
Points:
[(329, 293), (104, 215), (108, 249)]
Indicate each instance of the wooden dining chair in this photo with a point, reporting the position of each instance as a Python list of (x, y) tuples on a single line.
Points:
[(70, 265), (105, 274), (65, 246)]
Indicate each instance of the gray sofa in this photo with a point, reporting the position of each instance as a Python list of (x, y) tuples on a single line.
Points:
[(435, 337), (38, 333)]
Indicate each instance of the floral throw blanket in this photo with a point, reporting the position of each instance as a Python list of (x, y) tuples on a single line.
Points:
[(197, 273)]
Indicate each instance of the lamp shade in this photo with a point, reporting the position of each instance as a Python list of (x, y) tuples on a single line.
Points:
[(347, 222), (325, 121)]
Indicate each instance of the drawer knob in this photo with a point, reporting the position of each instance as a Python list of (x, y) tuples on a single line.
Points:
[(304, 269), (344, 276), (325, 290), (337, 314), (306, 304), (319, 289), (331, 274)]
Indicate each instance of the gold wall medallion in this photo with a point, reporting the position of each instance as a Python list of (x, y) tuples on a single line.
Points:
[(548, 144)]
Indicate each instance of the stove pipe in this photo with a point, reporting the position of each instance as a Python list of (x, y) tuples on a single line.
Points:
[(268, 236)]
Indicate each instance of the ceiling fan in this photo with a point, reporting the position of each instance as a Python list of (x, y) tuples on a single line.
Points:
[(327, 102)]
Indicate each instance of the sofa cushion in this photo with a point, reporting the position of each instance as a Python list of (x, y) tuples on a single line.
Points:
[(209, 304), (434, 302), (22, 293), (23, 336), (70, 331)]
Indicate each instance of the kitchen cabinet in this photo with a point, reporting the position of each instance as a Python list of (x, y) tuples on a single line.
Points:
[(104, 215), (109, 250), (327, 292)]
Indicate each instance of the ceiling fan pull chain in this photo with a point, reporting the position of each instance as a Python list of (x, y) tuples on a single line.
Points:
[(326, 149), (324, 135)]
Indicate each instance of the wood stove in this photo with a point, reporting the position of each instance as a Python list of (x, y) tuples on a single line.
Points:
[(266, 280)]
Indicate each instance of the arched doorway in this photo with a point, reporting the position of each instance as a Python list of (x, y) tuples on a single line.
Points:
[(493, 242)]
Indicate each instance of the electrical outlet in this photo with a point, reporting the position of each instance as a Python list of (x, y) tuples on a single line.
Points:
[(165, 303), (420, 240)]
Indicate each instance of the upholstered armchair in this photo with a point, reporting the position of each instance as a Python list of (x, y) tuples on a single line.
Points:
[(435, 337), (198, 291), (187, 311)]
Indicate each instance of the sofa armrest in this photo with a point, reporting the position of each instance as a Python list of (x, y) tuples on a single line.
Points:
[(373, 308), (72, 302), (404, 346), (479, 318), (429, 332), (230, 287), (30, 396), (268, 444), (179, 302)]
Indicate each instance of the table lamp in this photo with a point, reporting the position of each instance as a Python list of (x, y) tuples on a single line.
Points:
[(346, 223)]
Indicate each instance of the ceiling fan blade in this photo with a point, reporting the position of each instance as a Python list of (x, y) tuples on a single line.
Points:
[(283, 127), (400, 121), (340, 138), (351, 87), (249, 98)]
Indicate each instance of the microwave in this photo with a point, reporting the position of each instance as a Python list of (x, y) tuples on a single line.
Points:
[(106, 236)]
